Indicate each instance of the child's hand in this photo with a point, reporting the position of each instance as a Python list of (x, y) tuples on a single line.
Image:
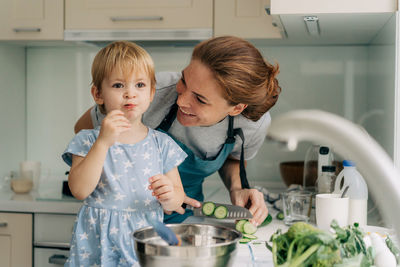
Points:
[(112, 126), (163, 190)]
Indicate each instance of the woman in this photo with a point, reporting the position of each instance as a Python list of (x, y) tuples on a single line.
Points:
[(217, 111)]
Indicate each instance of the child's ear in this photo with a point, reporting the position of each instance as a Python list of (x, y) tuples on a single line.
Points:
[(97, 95)]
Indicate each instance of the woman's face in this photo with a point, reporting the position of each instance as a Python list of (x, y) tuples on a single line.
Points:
[(200, 99)]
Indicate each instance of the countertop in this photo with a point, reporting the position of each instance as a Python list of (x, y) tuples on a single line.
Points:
[(48, 199)]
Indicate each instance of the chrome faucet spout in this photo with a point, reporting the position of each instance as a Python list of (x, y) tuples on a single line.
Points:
[(350, 141)]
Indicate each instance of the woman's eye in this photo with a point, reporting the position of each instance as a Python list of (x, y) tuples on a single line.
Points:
[(201, 101), (140, 85), (183, 81), (118, 85)]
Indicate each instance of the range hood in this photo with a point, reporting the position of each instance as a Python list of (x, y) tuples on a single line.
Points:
[(138, 35)]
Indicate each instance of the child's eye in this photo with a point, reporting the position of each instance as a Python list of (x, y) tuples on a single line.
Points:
[(140, 85), (118, 85)]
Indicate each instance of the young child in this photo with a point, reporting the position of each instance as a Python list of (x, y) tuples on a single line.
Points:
[(122, 170)]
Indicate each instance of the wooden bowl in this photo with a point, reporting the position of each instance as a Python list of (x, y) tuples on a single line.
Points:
[(292, 172)]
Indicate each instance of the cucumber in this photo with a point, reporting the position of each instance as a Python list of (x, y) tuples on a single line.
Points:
[(249, 228), (267, 220), (221, 212), (239, 225), (244, 240), (208, 208), (252, 237), (280, 216)]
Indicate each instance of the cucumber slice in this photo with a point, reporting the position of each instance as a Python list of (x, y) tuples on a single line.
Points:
[(267, 220), (280, 216), (221, 212), (208, 208), (244, 240), (249, 228), (239, 225), (252, 237)]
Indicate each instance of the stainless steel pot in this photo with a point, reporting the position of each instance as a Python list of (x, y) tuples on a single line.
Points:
[(202, 245)]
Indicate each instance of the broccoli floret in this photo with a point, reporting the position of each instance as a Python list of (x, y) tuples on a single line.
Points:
[(300, 229)]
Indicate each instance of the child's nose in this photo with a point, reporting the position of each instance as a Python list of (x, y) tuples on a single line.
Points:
[(130, 92)]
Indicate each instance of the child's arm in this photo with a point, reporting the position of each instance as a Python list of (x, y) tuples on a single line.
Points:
[(168, 189), (85, 171)]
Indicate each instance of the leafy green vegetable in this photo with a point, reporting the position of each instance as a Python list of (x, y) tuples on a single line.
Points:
[(395, 250), (304, 245), (352, 243)]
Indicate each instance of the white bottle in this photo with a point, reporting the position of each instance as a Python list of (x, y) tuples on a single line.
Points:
[(357, 193), (326, 180)]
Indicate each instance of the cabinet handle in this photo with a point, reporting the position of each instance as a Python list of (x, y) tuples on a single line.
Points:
[(57, 259), (3, 224), (27, 29), (136, 18), (59, 245)]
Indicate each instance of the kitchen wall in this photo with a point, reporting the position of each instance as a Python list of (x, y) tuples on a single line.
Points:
[(356, 82), (311, 77), (12, 107)]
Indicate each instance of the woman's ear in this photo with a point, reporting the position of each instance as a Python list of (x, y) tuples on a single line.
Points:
[(237, 109), (97, 95)]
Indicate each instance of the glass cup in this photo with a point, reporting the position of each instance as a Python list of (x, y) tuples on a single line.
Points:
[(297, 206)]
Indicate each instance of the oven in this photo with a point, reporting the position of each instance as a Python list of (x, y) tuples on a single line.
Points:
[(51, 237)]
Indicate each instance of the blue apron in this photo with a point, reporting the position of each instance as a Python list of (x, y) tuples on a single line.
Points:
[(194, 169)]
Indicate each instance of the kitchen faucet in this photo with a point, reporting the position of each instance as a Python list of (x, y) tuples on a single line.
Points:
[(351, 142)]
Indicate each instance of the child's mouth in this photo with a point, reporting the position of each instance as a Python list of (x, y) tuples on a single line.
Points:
[(129, 106)]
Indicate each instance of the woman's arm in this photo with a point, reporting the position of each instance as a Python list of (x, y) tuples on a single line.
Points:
[(250, 198), (84, 122)]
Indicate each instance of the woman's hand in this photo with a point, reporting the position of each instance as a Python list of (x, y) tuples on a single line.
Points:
[(253, 200), (112, 126)]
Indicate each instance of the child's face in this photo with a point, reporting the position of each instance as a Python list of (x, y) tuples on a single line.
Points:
[(131, 93)]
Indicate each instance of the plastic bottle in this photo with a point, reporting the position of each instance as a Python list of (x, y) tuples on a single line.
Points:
[(357, 193), (326, 180)]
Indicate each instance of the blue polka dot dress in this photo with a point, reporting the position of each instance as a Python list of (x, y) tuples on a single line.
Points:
[(102, 234)]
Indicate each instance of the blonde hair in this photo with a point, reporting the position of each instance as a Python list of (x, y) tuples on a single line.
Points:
[(242, 72), (124, 55)]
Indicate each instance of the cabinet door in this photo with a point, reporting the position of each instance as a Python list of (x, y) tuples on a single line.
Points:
[(5, 250), (138, 14), (329, 6), (16, 239), (31, 19), (244, 18)]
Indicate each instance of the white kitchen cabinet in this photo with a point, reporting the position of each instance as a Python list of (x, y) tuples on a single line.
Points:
[(31, 20), (15, 239), (246, 19), (328, 6), (138, 19)]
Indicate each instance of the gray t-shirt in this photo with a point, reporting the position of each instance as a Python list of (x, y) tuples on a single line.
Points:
[(205, 142)]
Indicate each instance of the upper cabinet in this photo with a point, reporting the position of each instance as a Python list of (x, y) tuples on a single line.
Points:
[(327, 22), (329, 6), (246, 19), (138, 20), (31, 19)]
